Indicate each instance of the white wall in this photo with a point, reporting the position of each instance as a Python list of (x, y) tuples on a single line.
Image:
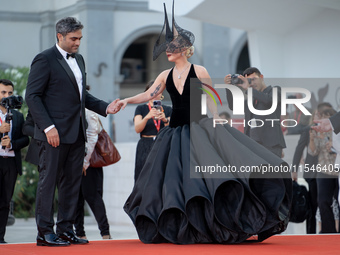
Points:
[(313, 50)]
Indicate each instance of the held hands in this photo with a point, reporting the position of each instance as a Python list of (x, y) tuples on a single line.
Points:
[(53, 137), (114, 107), (6, 141)]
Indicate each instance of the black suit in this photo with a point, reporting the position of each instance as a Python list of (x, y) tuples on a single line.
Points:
[(53, 98), (10, 168), (335, 120), (310, 176), (270, 137)]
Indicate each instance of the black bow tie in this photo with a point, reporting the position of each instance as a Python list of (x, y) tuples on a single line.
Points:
[(70, 55)]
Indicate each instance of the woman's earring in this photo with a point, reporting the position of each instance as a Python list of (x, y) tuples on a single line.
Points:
[(162, 97), (182, 54)]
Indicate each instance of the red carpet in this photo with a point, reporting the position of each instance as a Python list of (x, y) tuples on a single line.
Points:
[(284, 244)]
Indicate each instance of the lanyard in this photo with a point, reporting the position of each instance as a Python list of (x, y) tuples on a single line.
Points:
[(157, 125)]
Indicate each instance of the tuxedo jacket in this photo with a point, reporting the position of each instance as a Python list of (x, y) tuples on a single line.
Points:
[(335, 120), (18, 139), (52, 96), (32, 155), (267, 135)]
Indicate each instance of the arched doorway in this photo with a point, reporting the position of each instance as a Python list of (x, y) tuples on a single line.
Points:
[(137, 67), (243, 61)]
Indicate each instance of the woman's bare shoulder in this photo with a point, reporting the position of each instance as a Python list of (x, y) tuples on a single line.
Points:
[(201, 71)]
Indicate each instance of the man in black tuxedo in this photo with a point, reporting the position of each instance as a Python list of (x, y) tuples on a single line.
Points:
[(270, 134), (56, 97), (12, 141)]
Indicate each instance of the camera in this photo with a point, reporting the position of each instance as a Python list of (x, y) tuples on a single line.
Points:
[(12, 102), (236, 80), (157, 104)]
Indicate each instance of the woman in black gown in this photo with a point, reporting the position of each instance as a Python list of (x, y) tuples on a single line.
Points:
[(170, 202)]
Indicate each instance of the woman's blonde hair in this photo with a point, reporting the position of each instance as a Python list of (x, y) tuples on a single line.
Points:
[(190, 51)]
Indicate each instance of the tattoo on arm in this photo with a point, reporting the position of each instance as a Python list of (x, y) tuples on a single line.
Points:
[(156, 90)]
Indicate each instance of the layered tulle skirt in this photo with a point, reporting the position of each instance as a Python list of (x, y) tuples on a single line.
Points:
[(197, 187)]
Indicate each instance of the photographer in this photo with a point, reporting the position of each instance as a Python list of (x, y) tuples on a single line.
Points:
[(12, 141), (148, 121), (269, 135)]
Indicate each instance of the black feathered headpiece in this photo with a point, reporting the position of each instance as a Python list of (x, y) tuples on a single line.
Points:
[(176, 40)]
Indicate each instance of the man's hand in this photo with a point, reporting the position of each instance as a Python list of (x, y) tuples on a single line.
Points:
[(6, 141), (227, 79), (113, 107), (53, 137), (324, 125), (245, 85), (5, 127)]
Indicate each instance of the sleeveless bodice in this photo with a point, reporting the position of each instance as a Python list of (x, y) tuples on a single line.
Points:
[(189, 99)]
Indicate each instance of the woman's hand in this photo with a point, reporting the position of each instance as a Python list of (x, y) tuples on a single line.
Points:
[(161, 116), (120, 105), (153, 113)]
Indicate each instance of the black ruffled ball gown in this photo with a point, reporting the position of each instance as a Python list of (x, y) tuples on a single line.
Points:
[(171, 204)]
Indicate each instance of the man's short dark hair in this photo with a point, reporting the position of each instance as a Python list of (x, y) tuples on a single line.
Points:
[(67, 25), (6, 82), (251, 70)]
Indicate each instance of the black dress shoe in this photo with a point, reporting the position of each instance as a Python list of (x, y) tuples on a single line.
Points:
[(51, 240), (2, 242), (71, 237)]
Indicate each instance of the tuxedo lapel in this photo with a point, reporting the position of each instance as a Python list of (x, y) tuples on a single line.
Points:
[(81, 65), (68, 70)]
